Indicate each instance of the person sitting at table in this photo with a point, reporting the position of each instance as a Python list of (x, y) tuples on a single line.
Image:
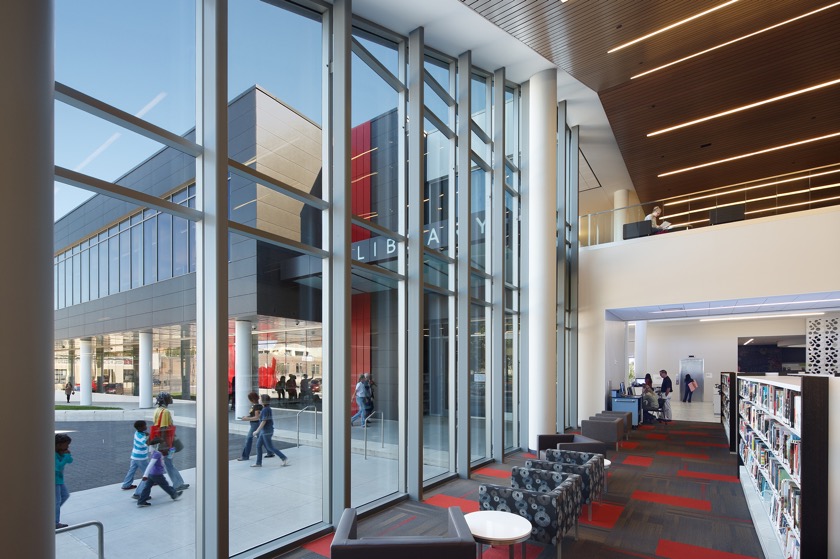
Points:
[(649, 400), (655, 225)]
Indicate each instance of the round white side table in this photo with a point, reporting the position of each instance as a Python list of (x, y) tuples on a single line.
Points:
[(495, 527)]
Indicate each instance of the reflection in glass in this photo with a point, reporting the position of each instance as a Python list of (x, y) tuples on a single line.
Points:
[(374, 349), (436, 443), (509, 378), (480, 213), (374, 173), (479, 383)]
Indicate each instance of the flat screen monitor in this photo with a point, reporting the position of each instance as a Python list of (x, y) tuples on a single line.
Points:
[(621, 390)]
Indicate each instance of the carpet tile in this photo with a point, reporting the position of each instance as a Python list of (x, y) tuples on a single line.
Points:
[(676, 550), (684, 502), (643, 461)]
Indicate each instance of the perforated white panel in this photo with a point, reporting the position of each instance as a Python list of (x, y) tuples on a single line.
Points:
[(822, 342)]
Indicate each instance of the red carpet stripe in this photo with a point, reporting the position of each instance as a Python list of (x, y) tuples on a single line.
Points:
[(684, 502), (445, 501), (630, 445), (676, 550), (683, 455), (529, 455), (709, 445), (655, 436), (704, 475), (321, 546), (643, 461), (603, 515), (492, 472), (694, 433), (646, 427)]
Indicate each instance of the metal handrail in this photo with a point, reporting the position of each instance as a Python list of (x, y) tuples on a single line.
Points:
[(297, 417), (381, 429), (100, 530)]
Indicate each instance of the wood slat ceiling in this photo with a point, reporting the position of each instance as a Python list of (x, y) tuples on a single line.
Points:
[(577, 34)]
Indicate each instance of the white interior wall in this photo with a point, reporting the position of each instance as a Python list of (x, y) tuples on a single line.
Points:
[(714, 342), (778, 255)]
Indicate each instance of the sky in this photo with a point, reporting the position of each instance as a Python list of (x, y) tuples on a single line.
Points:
[(140, 58)]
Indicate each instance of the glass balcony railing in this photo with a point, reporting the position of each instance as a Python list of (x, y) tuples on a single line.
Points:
[(793, 192)]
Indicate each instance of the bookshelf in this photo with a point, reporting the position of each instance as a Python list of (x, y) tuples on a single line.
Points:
[(729, 409), (783, 448)]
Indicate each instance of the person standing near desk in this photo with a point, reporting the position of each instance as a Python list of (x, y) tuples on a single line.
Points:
[(665, 392)]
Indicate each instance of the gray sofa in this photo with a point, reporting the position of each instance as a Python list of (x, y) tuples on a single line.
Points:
[(457, 544), (625, 415), (569, 442), (608, 430)]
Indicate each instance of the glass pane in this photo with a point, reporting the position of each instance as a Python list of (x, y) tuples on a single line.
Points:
[(138, 57), (480, 113), (111, 153), (436, 196), (374, 349), (511, 239), (436, 272), (479, 383), (274, 122), (436, 412), (375, 171), (511, 131), (280, 345), (480, 211), (479, 287), (97, 347), (510, 379)]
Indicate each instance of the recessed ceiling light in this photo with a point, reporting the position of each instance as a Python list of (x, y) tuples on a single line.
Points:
[(668, 27), (745, 155), (745, 107), (727, 43)]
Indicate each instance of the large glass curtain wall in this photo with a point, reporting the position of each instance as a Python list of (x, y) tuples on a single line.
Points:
[(131, 266)]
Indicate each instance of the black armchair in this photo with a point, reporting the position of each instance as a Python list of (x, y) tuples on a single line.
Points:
[(457, 544)]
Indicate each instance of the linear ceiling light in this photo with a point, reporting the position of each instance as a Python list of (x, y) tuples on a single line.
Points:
[(745, 189), (750, 306), (760, 317), (673, 25), (745, 155), (748, 342), (745, 107), (727, 43)]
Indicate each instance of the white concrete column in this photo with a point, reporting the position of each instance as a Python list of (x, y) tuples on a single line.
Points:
[(621, 199), (146, 391), (85, 375), (26, 289), (542, 251), (641, 349), (242, 365)]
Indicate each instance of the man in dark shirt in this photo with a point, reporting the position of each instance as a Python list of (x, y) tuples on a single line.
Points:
[(665, 392)]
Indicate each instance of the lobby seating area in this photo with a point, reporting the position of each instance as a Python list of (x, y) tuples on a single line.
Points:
[(668, 489)]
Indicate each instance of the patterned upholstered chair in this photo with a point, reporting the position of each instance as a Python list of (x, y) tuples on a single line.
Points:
[(545, 481), (551, 514), (589, 466)]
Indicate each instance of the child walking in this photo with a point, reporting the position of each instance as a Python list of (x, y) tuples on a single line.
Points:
[(62, 458), (154, 475), (139, 458)]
